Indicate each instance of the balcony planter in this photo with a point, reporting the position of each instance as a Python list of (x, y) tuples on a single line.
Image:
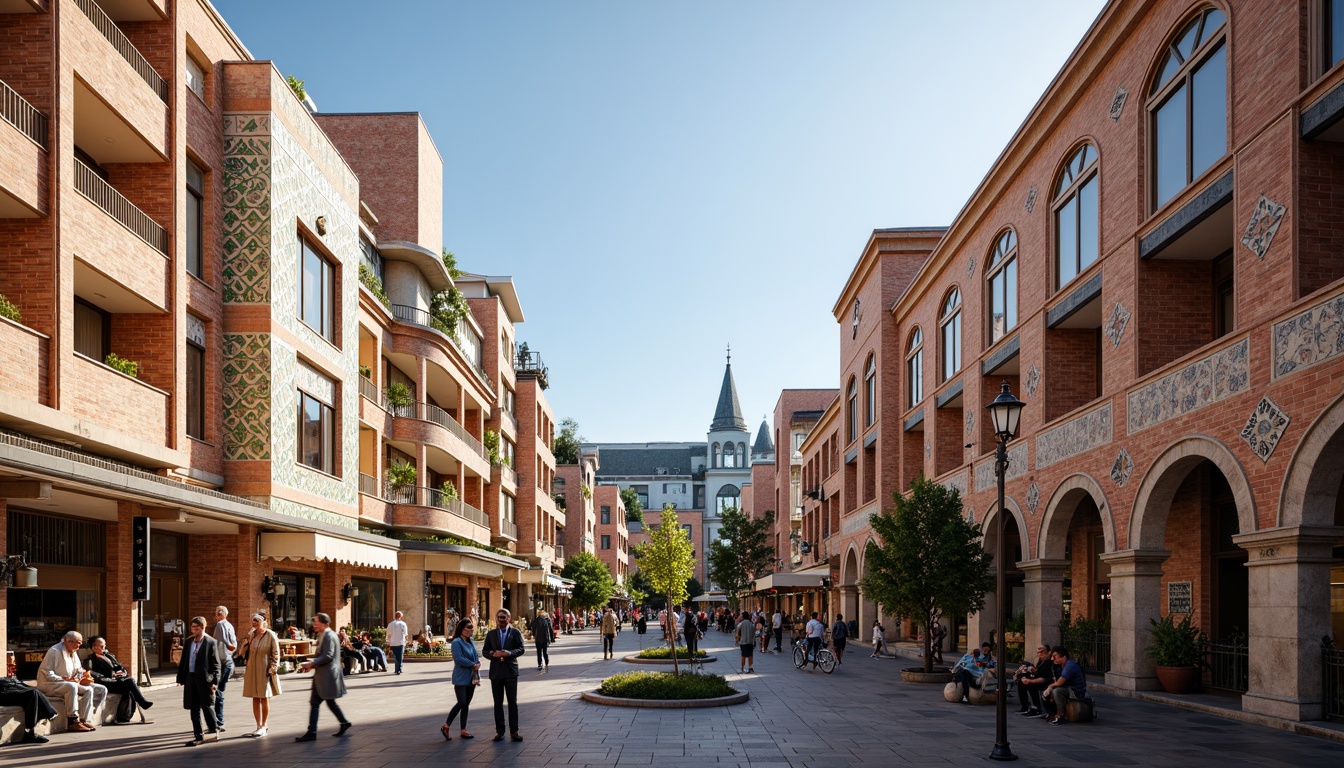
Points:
[(401, 475), (398, 395)]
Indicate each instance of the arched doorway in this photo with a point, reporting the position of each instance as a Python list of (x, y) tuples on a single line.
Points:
[(849, 585), (981, 626), (1069, 584)]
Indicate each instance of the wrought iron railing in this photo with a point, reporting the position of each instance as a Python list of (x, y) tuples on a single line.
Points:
[(422, 318), (1092, 651), (368, 484), (370, 390), (115, 204), (129, 52), (430, 412), (1332, 678), (527, 362), (1229, 664), (24, 116), (434, 497), (508, 528)]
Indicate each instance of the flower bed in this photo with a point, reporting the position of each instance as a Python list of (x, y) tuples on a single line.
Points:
[(663, 653), (665, 686)]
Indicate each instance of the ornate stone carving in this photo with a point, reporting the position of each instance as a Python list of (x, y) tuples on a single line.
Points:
[(1033, 497), (1122, 467), (970, 266), (1031, 199), (1118, 102), (1265, 428), (1075, 436), (1262, 226), (1115, 326), (957, 483), (1033, 380), (1201, 382)]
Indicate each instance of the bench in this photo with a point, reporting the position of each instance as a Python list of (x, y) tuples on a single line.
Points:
[(105, 716)]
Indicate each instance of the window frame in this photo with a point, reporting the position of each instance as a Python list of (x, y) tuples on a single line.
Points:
[(949, 319), (870, 391), (1324, 60), (914, 367), (195, 239), (195, 394), (1001, 264), (327, 289), (852, 410), (1079, 175), (1161, 92), (327, 455)]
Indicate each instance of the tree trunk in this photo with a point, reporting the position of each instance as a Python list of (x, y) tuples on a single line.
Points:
[(928, 641), (671, 629)]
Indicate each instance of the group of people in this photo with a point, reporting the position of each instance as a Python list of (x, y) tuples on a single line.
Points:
[(1044, 686)]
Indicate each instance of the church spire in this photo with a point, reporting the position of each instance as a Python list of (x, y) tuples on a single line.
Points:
[(728, 414)]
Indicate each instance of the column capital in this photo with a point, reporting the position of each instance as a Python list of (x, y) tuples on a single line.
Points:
[(1044, 570), (1136, 562), (1288, 544)]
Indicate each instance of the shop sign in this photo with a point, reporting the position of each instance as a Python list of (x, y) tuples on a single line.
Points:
[(140, 558)]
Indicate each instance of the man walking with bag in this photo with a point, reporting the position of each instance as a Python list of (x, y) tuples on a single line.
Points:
[(503, 646), (198, 674), (328, 682)]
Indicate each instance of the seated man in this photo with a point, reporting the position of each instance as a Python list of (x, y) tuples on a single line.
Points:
[(62, 674), (1032, 679), (15, 693), (374, 657), (1069, 683), (968, 672), (350, 657)]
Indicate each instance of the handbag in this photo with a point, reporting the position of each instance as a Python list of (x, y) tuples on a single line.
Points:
[(475, 677), (274, 681)]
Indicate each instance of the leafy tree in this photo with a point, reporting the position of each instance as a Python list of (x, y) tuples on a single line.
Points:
[(742, 552), (694, 588), (565, 446), (450, 263), (634, 509), (927, 559), (593, 582), (641, 591), (666, 559)]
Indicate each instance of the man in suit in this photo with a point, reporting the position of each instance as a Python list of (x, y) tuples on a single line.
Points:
[(503, 646), (542, 631), (328, 682), (198, 673)]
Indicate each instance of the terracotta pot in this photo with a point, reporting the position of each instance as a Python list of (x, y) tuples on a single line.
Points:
[(1178, 679)]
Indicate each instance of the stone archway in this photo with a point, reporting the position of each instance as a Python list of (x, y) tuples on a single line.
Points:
[(1044, 576), (979, 625), (849, 584), (1148, 525)]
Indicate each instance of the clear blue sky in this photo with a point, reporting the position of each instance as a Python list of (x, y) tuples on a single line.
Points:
[(665, 178)]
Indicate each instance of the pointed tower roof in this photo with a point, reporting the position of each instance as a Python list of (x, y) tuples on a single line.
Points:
[(763, 444), (728, 414)]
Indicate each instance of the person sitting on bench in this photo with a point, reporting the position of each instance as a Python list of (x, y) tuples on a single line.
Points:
[(16, 693), (1069, 683), (1032, 680), (970, 669)]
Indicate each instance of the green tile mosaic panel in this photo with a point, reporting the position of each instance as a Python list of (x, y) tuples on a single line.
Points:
[(247, 208), (247, 396), (295, 509)]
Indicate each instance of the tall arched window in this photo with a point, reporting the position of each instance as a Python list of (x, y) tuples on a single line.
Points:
[(852, 412), (729, 455), (1003, 286), (1187, 105), (728, 496), (914, 367), (715, 456), (1075, 206), (949, 327), (870, 391)]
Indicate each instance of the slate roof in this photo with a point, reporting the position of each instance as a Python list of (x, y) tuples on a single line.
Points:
[(728, 414), (634, 460), (763, 442)]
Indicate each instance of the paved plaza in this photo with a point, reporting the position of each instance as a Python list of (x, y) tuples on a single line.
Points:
[(861, 715)]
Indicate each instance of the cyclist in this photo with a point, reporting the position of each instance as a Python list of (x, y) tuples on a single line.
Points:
[(816, 632)]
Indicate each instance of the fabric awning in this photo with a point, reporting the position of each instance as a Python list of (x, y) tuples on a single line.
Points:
[(327, 549), (789, 581)]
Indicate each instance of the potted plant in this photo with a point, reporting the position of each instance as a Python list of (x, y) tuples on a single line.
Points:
[(366, 371), (401, 475), (397, 396), (449, 490), (1177, 649)]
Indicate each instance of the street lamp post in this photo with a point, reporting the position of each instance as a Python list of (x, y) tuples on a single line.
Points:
[(1005, 412)]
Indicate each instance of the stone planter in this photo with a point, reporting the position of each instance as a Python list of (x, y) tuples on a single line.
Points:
[(614, 701), (667, 662), (1178, 679), (939, 675), (425, 659)]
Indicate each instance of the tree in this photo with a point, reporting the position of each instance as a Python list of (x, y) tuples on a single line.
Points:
[(593, 582), (666, 559), (694, 588), (565, 446), (741, 553), (927, 559), (641, 591), (450, 263), (634, 508)]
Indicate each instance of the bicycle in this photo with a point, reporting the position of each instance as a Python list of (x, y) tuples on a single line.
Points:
[(825, 659)]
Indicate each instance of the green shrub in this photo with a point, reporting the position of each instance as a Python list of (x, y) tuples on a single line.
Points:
[(366, 371), (661, 652), (398, 395), (1175, 644), (9, 310), (401, 474), (665, 685), (116, 362), (375, 286)]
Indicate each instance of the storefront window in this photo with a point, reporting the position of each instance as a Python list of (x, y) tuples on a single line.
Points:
[(296, 607), (368, 607), (69, 555)]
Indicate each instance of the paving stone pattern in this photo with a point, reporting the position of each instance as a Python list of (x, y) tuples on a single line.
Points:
[(861, 715)]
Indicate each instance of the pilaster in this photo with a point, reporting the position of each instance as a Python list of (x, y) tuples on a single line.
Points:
[(1136, 591)]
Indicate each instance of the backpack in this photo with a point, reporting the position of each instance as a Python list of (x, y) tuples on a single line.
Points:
[(839, 631)]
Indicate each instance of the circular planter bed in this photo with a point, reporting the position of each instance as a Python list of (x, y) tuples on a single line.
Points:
[(661, 690), (939, 675), (408, 659), (667, 662)]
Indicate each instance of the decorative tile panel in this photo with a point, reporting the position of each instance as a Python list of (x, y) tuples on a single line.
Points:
[(957, 483), (247, 208), (1031, 200), (1077, 435), (1118, 102), (315, 383), (195, 329), (1017, 466), (1265, 428), (1264, 223), (247, 396), (305, 512), (1033, 380), (1202, 382), (1122, 467), (970, 421), (1115, 326), (1033, 498), (1309, 338)]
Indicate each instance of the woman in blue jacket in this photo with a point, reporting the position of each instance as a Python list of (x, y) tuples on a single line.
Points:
[(466, 676)]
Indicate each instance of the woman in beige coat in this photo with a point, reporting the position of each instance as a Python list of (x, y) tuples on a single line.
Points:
[(262, 650)]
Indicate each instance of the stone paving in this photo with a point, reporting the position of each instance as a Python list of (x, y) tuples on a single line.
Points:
[(861, 715)]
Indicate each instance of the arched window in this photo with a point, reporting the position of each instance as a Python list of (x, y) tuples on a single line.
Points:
[(1076, 217), (852, 412), (728, 496), (742, 451), (729, 455), (715, 457), (914, 367), (1187, 105), (870, 391), (949, 327), (1003, 286)]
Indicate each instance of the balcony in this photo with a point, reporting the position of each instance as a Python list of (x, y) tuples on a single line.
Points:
[(508, 475), (24, 116), (368, 485), (509, 420), (24, 173), (116, 401), (423, 319), (23, 378), (461, 446), (559, 554), (114, 204), (529, 365), (509, 529), (433, 497), (369, 390), (109, 30)]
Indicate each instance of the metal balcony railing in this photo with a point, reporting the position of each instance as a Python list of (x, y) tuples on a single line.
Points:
[(433, 497), (105, 196), (368, 485), (370, 390), (506, 472), (508, 528), (422, 318), (430, 412), (559, 552), (24, 116), (129, 52), (1332, 680), (530, 364)]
